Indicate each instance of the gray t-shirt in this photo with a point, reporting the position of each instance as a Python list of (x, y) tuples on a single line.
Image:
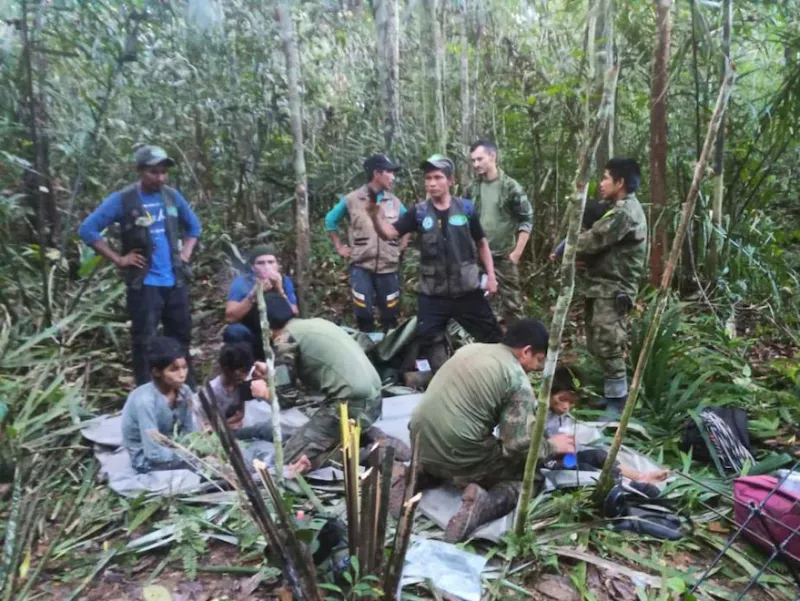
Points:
[(147, 409), (225, 400)]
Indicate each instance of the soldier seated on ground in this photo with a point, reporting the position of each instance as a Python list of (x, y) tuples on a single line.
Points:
[(242, 379), (241, 311), (563, 397), (328, 361), (162, 405), (482, 387)]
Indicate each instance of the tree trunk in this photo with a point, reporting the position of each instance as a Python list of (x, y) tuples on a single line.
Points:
[(435, 121), (479, 25), (719, 150), (658, 139), (466, 125), (603, 60), (388, 67), (296, 110), (581, 187), (663, 292)]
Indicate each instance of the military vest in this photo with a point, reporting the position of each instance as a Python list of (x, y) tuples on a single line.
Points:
[(136, 235), (367, 249), (448, 255)]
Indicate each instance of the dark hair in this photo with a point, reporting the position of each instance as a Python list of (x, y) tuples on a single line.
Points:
[(236, 356), (487, 144), (566, 379), (593, 212), (527, 332), (279, 311), (627, 169), (162, 351)]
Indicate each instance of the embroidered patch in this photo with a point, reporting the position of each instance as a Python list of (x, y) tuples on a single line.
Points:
[(172, 211), (427, 223), (457, 220), (145, 221)]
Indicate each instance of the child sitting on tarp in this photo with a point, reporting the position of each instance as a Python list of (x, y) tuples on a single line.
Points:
[(563, 397), (163, 405), (241, 379)]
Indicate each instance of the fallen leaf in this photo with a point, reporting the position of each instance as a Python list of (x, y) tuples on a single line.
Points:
[(156, 592)]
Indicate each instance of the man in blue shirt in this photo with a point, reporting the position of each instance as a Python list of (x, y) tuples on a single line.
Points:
[(241, 312), (152, 219)]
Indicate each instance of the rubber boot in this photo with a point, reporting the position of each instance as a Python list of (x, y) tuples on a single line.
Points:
[(479, 507), (402, 452), (615, 391), (418, 380)]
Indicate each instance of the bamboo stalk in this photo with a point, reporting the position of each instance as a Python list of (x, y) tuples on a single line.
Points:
[(382, 513), (604, 482), (367, 518), (10, 541), (594, 135), (269, 356), (391, 576)]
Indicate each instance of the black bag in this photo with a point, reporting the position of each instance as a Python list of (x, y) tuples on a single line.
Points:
[(718, 435), (639, 508)]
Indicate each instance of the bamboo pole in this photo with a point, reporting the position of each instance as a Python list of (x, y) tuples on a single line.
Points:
[(269, 356), (593, 136), (663, 292)]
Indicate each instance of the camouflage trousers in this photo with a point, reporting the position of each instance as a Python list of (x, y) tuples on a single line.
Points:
[(507, 303), (607, 335), (322, 432)]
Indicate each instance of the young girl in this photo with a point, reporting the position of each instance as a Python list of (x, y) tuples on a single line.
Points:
[(163, 405), (563, 397)]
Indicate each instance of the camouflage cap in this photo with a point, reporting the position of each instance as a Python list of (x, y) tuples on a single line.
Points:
[(438, 162), (260, 250), (150, 156)]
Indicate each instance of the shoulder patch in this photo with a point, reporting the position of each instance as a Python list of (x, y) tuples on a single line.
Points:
[(457, 220), (427, 223)]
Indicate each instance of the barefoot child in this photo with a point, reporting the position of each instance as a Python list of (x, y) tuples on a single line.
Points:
[(563, 397)]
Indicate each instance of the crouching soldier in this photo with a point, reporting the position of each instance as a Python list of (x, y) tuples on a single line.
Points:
[(482, 387), (326, 360)]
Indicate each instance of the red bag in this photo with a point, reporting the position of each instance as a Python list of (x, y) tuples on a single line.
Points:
[(779, 516)]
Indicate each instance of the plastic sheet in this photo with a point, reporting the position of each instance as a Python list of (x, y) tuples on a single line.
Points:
[(446, 566)]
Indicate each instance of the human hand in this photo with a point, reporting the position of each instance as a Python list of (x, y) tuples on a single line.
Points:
[(259, 389), (491, 285), (260, 370), (562, 443), (186, 255), (552, 257), (344, 251), (514, 257), (372, 204), (132, 259)]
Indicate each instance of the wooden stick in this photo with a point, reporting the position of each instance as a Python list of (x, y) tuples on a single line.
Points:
[(391, 577), (382, 513), (269, 356)]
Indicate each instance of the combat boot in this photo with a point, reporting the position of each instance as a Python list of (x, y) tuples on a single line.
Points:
[(479, 507), (402, 452), (615, 393)]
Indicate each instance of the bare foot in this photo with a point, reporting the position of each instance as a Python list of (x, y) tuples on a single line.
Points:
[(659, 476), (301, 466)]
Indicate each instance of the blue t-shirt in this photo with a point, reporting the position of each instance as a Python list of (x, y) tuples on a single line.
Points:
[(110, 211), (243, 284)]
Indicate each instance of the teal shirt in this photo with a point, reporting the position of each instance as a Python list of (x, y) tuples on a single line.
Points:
[(339, 211)]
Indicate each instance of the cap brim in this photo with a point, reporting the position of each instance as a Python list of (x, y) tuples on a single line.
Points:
[(168, 162), (438, 166)]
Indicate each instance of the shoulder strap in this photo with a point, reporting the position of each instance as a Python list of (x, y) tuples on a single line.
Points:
[(130, 198)]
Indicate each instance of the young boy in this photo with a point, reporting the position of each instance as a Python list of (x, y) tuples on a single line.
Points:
[(163, 404), (563, 397)]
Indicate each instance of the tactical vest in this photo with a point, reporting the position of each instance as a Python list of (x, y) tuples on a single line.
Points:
[(136, 235), (368, 250), (448, 255)]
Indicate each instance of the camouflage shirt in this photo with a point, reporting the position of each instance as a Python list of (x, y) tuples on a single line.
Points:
[(614, 250), (481, 387), (504, 210)]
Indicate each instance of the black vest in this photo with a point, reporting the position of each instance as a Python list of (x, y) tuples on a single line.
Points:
[(136, 234), (448, 255)]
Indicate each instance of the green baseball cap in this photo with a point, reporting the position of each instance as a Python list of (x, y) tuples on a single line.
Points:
[(438, 162), (150, 156)]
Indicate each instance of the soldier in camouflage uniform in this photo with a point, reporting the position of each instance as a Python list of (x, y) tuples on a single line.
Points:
[(507, 219), (613, 252), (482, 387), (326, 360)]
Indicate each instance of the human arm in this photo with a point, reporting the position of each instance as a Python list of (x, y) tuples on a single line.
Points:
[(558, 250), (516, 422), (521, 208), (485, 253), (241, 299), (291, 293), (407, 237), (604, 233), (332, 219), (90, 231), (384, 229), (191, 226)]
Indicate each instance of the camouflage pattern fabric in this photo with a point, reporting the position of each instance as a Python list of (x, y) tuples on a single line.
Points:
[(507, 303), (606, 335), (322, 433), (614, 250)]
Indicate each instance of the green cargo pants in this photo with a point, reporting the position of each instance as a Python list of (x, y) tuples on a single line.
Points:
[(322, 432), (507, 303), (606, 335)]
